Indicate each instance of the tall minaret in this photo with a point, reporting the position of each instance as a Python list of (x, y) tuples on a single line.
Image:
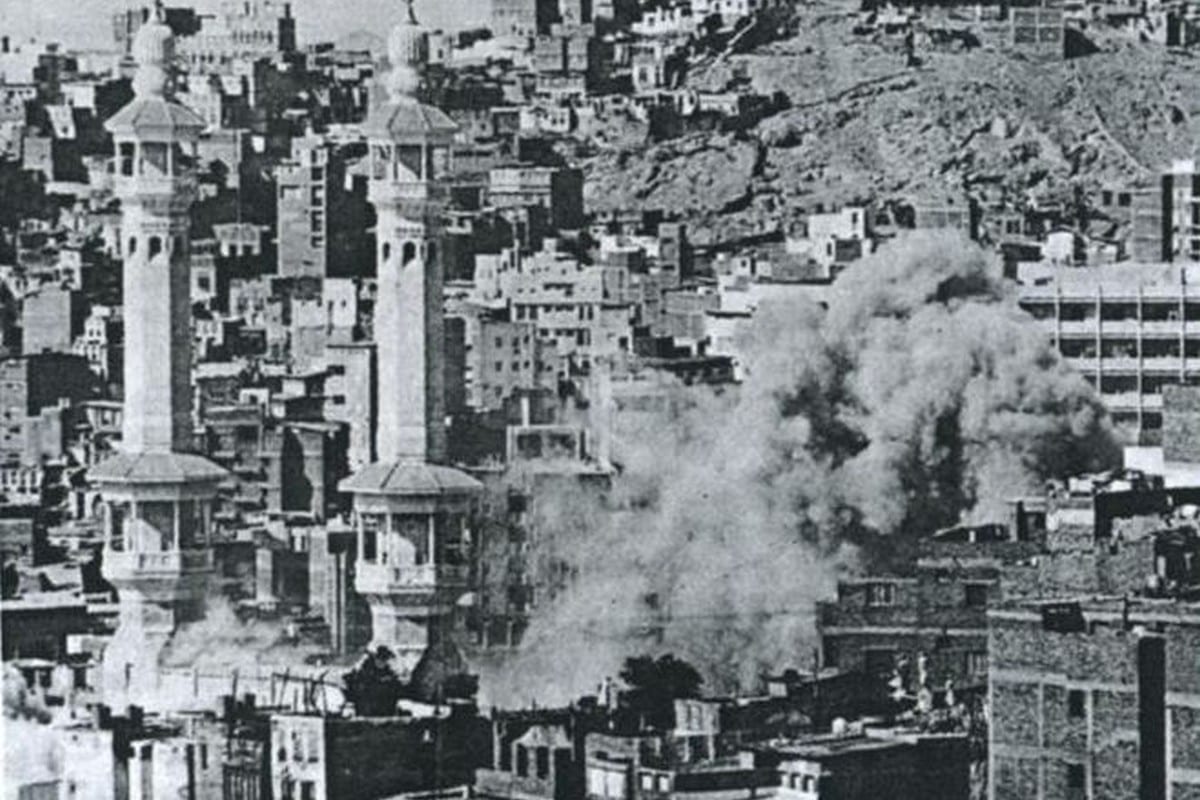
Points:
[(157, 497), (411, 512)]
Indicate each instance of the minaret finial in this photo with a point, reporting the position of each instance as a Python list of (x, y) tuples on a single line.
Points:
[(153, 50), (407, 54)]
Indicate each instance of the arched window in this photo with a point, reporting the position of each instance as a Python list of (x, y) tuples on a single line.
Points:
[(132, 245), (387, 251), (155, 246), (409, 253)]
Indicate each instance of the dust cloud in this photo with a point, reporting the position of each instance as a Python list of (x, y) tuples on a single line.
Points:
[(920, 398)]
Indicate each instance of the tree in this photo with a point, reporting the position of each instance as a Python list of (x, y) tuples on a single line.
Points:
[(655, 685), (373, 686)]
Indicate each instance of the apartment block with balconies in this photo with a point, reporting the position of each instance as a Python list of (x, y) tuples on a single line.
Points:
[(1129, 329)]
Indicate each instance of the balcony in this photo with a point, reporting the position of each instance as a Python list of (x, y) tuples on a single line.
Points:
[(1114, 326), (1162, 328), (128, 564), (1120, 364), (158, 184), (1172, 364), (1086, 364), (388, 579), (1077, 328), (1122, 400)]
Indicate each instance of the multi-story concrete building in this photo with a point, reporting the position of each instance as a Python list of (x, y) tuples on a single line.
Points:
[(558, 190), (581, 311), (241, 32), (933, 610), (1037, 28), (410, 509), (304, 187), (1129, 329), (51, 317), (500, 357), (351, 396), (1162, 219), (522, 19), (31, 388), (1094, 697), (322, 757), (157, 495), (902, 765), (101, 342)]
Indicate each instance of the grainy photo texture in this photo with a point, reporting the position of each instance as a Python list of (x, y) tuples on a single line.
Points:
[(600, 399)]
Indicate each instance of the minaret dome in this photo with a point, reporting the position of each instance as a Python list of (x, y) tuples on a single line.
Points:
[(407, 53), (153, 50)]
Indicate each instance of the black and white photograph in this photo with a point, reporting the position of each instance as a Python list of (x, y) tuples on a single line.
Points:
[(600, 399)]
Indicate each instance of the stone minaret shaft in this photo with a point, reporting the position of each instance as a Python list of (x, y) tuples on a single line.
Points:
[(158, 337), (409, 335)]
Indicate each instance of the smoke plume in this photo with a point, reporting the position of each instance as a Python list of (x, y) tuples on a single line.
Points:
[(32, 753), (224, 639), (921, 398)]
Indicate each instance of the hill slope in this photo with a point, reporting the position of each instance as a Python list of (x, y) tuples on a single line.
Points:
[(864, 127)]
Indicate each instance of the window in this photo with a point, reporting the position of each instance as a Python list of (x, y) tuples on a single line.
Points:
[(1075, 704), (126, 151), (976, 595), (307, 790), (370, 548), (522, 761), (977, 662), (154, 158), (881, 594), (203, 756), (647, 781), (808, 784), (1075, 776)]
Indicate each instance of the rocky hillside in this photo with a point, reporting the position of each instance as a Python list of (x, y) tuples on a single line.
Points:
[(862, 126)]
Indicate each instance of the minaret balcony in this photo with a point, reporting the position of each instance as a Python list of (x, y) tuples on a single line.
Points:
[(393, 192), (383, 579), (123, 565), (183, 187)]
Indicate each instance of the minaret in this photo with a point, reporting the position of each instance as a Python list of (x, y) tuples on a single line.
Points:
[(157, 497), (410, 510)]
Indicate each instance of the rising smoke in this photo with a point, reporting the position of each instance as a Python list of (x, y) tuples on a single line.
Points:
[(920, 399), (227, 640), (32, 753)]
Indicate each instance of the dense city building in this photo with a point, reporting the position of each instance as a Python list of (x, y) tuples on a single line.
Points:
[(549, 408)]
